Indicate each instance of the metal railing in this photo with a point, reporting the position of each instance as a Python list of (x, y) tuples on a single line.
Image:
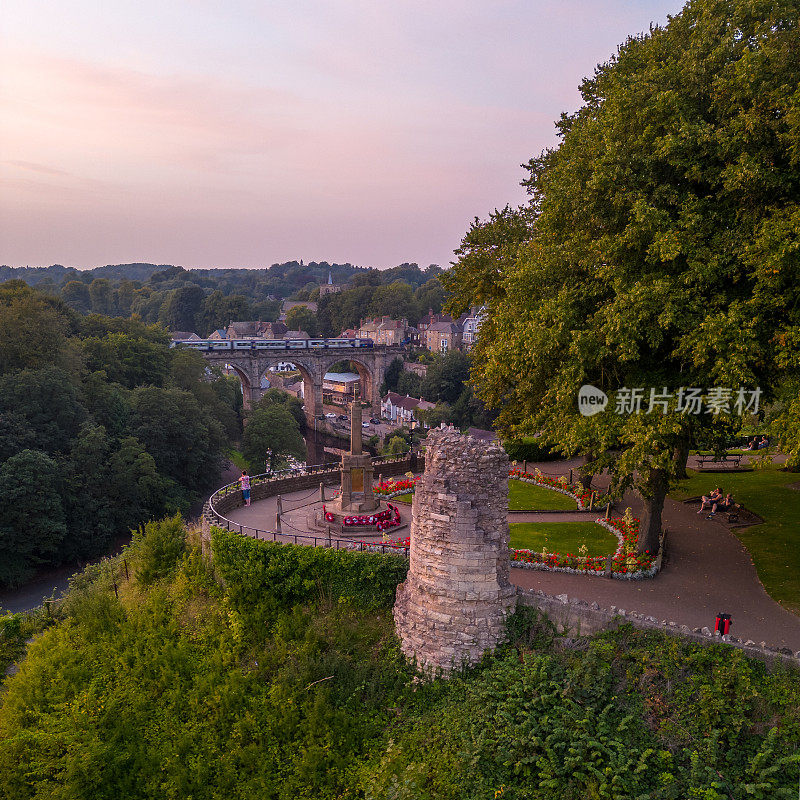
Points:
[(299, 537)]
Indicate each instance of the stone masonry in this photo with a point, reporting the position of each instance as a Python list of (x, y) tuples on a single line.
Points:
[(453, 604)]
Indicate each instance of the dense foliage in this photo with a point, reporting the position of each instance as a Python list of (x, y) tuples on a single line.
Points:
[(288, 683), (263, 576), (102, 427), (659, 248)]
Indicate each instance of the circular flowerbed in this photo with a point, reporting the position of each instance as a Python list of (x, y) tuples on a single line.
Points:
[(626, 563), (383, 520)]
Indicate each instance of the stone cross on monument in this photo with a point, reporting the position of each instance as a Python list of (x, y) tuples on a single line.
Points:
[(356, 468)]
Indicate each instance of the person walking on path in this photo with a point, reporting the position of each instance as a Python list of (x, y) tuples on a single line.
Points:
[(244, 482)]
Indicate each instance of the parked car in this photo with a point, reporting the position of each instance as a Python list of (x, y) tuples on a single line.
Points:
[(375, 421), (330, 415), (344, 418), (365, 424)]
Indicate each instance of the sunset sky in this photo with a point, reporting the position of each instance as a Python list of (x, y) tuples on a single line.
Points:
[(239, 133)]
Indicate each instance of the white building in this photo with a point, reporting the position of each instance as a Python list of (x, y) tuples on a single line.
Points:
[(403, 409), (471, 327)]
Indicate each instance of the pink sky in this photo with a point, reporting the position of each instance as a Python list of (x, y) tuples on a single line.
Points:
[(239, 134)]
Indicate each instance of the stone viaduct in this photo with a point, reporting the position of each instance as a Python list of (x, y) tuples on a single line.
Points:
[(250, 366)]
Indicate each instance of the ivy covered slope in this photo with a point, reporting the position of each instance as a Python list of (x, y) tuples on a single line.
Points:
[(288, 683)]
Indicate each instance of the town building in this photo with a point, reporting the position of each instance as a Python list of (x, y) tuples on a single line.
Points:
[(403, 409), (471, 326), (253, 330), (340, 387), (430, 318), (385, 330), (295, 335), (441, 337), (416, 368), (184, 336)]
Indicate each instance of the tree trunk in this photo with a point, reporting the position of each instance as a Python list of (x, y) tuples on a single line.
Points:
[(680, 457), (587, 473), (650, 530)]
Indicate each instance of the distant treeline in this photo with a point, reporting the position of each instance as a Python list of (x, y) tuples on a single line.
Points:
[(204, 300)]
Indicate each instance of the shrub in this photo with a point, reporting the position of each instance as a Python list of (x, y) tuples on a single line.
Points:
[(158, 548), (264, 576), (528, 448)]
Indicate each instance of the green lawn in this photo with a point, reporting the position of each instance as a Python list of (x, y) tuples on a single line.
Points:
[(527, 497), (239, 461), (563, 537), (403, 498), (775, 545)]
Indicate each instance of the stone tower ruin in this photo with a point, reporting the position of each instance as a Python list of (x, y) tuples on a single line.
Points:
[(453, 604)]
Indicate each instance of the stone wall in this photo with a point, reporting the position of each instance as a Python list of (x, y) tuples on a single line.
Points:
[(579, 618), (452, 607)]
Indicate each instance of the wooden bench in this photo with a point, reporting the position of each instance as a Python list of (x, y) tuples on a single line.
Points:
[(728, 458)]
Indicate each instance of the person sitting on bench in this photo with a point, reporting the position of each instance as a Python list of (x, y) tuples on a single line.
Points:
[(714, 496), (752, 444), (723, 504), (763, 443)]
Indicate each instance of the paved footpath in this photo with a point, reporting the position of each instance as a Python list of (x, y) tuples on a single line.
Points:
[(707, 571)]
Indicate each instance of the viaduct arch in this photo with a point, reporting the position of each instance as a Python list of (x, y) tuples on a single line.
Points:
[(250, 366)]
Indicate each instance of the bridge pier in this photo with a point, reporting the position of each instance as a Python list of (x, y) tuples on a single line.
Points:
[(313, 364), (312, 401)]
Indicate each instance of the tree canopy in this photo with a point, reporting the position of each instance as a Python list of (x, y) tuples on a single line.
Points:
[(659, 247), (102, 426)]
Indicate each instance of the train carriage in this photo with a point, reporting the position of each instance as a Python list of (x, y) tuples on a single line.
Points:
[(245, 345)]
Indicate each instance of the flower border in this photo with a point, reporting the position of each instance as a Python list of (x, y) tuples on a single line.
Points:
[(560, 485), (393, 488), (625, 563)]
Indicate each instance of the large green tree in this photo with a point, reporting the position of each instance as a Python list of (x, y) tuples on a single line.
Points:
[(32, 520), (302, 319), (183, 309), (33, 328), (660, 246), (270, 436)]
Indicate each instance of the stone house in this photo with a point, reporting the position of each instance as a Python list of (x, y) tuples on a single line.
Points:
[(441, 337), (254, 330), (385, 330)]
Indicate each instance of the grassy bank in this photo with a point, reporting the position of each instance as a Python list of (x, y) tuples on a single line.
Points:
[(288, 683)]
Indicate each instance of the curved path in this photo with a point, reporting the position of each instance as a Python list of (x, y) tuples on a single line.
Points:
[(707, 571)]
